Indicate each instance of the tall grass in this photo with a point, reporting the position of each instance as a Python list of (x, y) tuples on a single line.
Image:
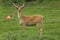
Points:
[(12, 30)]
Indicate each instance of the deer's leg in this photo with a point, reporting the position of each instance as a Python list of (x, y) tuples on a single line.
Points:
[(23, 27), (40, 28)]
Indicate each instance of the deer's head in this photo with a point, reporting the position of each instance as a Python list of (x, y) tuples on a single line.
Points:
[(20, 7)]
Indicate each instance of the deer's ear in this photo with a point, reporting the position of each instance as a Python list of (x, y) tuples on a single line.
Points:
[(15, 5)]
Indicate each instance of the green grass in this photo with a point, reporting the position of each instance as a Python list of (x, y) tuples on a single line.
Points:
[(11, 30)]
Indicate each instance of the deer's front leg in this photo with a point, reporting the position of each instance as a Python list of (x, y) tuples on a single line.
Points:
[(40, 28), (23, 27)]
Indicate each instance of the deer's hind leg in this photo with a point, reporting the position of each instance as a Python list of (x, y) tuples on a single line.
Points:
[(40, 28)]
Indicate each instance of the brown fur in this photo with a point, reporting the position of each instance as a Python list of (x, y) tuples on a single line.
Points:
[(31, 19)]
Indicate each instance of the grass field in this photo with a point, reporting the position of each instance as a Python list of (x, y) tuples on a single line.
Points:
[(12, 30)]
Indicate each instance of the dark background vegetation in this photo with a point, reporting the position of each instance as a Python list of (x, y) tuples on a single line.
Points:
[(9, 2)]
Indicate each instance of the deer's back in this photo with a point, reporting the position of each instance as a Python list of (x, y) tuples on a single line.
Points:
[(31, 19)]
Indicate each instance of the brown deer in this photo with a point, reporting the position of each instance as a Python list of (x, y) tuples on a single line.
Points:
[(29, 20)]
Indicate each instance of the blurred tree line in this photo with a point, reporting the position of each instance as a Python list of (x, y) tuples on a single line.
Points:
[(9, 2)]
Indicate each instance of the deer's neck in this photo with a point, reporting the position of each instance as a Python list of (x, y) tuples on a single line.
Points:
[(19, 15)]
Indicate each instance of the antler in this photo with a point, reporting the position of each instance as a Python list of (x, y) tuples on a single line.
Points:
[(15, 5), (22, 5)]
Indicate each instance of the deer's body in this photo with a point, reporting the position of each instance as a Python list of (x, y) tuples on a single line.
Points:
[(29, 20)]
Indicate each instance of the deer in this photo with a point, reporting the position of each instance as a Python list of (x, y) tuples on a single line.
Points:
[(29, 20)]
